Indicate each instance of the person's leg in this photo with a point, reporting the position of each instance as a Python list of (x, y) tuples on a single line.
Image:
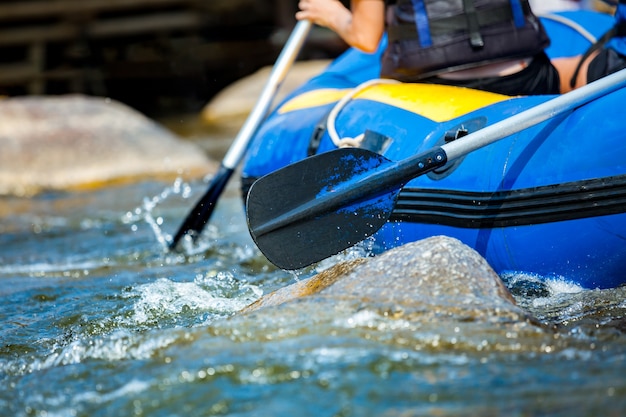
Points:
[(567, 67)]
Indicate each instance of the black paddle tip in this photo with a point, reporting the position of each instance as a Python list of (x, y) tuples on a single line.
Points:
[(199, 216)]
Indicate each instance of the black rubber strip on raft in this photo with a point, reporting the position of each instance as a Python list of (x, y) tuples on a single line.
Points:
[(544, 204)]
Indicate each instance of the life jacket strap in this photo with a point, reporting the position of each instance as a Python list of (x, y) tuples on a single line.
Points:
[(422, 25), (473, 27)]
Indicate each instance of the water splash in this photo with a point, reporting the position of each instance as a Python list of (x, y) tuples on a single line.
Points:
[(146, 211), (158, 213), (122, 344), (210, 296), (142, 328)]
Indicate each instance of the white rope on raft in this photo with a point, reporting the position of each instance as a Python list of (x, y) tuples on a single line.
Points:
[(346, 142)]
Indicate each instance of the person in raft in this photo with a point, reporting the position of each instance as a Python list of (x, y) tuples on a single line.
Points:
[(607, 55), (491, 45)]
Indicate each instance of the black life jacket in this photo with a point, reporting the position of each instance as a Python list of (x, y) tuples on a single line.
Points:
[(430, 37)]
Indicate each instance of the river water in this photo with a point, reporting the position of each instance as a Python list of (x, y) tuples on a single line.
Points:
[(98, 319)]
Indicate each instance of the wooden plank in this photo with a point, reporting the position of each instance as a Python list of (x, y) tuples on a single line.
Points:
[(36, 9), (158, 22), (18, 73), (155, 23), (48, 8), (47, 33)]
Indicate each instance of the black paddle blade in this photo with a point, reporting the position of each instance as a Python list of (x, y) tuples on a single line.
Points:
[(315, 208), (201, 213)]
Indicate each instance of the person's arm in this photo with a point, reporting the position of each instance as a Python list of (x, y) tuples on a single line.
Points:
[(361, 26)]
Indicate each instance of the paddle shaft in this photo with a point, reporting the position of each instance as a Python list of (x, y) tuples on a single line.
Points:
[(283, 63), (533, 116), (200, 214)]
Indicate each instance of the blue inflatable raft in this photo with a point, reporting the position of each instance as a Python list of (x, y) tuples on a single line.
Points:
[(549, 200)]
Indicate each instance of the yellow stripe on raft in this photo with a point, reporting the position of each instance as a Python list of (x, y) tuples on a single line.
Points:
[(436, 102), (314, 98)]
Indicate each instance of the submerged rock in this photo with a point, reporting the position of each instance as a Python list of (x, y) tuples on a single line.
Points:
[(439, 275), (433, 295), (76, 141)]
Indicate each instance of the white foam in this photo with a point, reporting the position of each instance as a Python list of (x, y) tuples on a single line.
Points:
[(164, 297)]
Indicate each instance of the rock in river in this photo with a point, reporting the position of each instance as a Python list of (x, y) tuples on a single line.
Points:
[(436, 293), (62, 142), (438, 275)]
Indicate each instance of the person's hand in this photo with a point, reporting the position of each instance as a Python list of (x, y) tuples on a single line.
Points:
[(322, 12), (360, 26)]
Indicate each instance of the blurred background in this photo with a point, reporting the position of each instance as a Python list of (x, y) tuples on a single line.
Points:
[(157, 56)]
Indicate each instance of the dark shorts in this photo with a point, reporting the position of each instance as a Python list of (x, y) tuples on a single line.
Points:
[(606, 62), (540, 77)]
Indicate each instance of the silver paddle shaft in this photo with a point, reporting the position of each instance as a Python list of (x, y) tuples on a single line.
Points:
[(535, 115), (284, 62)]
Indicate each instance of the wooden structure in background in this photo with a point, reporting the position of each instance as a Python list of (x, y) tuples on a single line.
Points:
[(104, 47)]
